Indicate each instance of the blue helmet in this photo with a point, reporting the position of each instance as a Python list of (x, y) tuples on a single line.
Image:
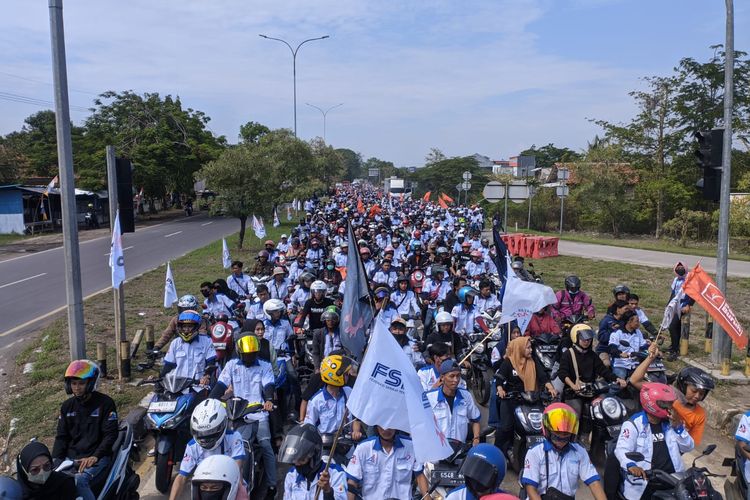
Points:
[(484, 469), (10, 488), (189, 316), (464, 292)]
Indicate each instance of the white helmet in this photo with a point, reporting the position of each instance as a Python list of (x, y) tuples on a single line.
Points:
[(443, 317), (318, 286), (272, 305), (208, 424), (217, 469), (187, 302)]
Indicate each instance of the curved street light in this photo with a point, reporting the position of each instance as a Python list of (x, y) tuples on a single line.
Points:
[(324, 113), (294, 66)]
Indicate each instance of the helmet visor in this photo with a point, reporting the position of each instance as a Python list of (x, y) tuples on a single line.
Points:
[(248, 344), (479, 470), (295, 448)]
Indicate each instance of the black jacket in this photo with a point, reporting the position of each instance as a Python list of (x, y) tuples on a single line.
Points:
[(86, 429), (510, 381), (453, 340), (59, 485), (590, 366), (320, 337)]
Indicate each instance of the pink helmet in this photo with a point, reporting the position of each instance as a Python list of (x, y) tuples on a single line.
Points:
[(476, 253), (657, 399)]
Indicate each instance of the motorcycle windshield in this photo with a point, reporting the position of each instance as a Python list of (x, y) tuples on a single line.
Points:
[(174, 384), (295, 448)]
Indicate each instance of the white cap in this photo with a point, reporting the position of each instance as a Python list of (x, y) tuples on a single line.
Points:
[(284, 236)]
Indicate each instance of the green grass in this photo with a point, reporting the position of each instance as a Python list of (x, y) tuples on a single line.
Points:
[(11, 238), (35, 398), (646, 243)]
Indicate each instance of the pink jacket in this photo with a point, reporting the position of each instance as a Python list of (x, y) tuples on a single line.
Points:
[(568, 305)]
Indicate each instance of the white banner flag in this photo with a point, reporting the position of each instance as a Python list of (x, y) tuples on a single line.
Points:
[(226, 259), (258, 227), (288, 213), (116, 258), (388, 393), (521, 299), (672, 309), (170, 291), (276, 221)]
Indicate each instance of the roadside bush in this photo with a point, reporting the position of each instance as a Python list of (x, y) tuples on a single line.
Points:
[(689, 225)]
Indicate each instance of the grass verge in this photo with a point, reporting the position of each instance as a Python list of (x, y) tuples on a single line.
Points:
[(703, 249), (12, 238), (34, 398)]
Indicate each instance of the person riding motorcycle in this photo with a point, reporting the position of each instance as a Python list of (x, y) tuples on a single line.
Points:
[(445, 334), (553, 467), (487, 299), (405, 300), (543, 321), (573, 301), (183, 304), (465, 312), (303, 448), (190, 354), (610, 323), (623, 361), (326, 408), (240, 282), (314, 306), (263, 264), (483, 470), (454, 407), (217, 477), (658, 435), (86, 426), (37, 479), (327, 338)]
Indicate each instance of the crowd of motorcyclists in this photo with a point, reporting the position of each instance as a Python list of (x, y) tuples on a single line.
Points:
[(259, 377)]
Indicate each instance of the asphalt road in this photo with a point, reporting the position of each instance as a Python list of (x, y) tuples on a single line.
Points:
[(32, 287)]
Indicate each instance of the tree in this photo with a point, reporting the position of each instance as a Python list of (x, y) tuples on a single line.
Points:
[(352, 163), (443, 176), (166, 143), (252, 177), (252, 132), (434, 156), (328, 162), (386, 168), (548, 155)]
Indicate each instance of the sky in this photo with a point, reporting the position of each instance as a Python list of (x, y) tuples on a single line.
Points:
[(490, 77)]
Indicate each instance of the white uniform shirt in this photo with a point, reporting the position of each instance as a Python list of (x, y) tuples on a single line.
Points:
[(254, 310), (743, 435), (279, 290), (242, 284), (565, 469), (220, 305), (405, 302), (282, 247), (297, 488), (454, 424), (381, 474), (637, 343), (340, 259), (475, 268), (278, 333), (464, 318), (231, 446), (635, 435), (325, 412), (430, 286), (299, 297), (248, 382), (399, 255), (190, 357), (388, 278), (484, 303)]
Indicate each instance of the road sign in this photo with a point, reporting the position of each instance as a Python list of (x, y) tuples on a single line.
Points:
[(467, 176), (562, 191), (373, 172), (494, 191), (458, 187), (563, 174), (466, 185)]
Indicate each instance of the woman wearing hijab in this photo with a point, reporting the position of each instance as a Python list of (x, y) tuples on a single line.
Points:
[(518, 372), (38, 480)]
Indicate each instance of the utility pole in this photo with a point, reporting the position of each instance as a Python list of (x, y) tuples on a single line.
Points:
[(722, 348), (73, 294), (325, 114), (119, 293)]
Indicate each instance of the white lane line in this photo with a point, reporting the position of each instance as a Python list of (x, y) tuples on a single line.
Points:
[(21, 281), (207, 223), (126, 248), (172, 234)]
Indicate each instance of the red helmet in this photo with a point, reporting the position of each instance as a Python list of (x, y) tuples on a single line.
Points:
[(465, 244), (417, 233), (364, 250), (476, 253), (657, 399)]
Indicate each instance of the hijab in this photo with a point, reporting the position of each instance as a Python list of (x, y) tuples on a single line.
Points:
[(524, 366), (58, 485)]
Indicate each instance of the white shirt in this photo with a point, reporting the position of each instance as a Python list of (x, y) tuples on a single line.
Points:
[(279, 290), (475, 268), (325, 412), (454, 424), (464, 318), (278, 333), (405, 302), (340, 259), (296, 487), (248, 382), (428, 376), (637, 343), (191, 358), (254, 310), (231, 446), (484, 303), (220, 305), (429, 288), (242, 284), (743, 435), (565, 469), (382, 474), (388, 278), (299, 297)]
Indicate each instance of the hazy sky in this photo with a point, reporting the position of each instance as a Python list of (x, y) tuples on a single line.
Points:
[(466, 76)]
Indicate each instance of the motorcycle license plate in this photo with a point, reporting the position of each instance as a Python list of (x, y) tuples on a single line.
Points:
[(220, 346), (447, 478), (162, 406), (532, 440), (547, 348), (614, 430)]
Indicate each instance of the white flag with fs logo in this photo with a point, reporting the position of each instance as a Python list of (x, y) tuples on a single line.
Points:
[(116, 258), (226, 258), (170, 291), (388, 393), (276, 221)]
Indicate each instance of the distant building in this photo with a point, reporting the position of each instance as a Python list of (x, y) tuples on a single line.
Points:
[(483, 161), (11, 210), (519, 167)]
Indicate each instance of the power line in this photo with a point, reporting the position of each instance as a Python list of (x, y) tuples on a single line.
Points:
[(8, 96), (44, 83)]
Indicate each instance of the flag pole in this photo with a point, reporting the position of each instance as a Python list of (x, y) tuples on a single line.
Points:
[(492, 332), (333, 448)]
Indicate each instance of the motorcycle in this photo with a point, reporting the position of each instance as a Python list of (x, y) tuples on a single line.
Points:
[(687, 485), (189, 208), (736, 490), (547, 347), (168, 417), (416, 280), (221, 337), (344, 445), (121, 481), (527, 430), (605, 415), (478, 375), (253, 468)]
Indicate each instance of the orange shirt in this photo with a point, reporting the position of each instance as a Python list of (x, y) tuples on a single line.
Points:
[(694, 418)]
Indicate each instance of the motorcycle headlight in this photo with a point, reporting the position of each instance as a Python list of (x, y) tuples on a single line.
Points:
[(535, 419), (612, 409), (521, 417), (547, 362), (479, 349)]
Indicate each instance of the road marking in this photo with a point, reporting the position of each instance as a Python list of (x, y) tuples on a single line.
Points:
[(21, 281), (126, 248), (207, 223), (172, 234)]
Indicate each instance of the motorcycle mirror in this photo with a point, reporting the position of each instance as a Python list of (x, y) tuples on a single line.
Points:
[(708, 450), (625, 343), (489, 430), (635, 456)]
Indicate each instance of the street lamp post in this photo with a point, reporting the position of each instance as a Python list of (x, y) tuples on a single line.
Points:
[(294, 67), (325, 113)]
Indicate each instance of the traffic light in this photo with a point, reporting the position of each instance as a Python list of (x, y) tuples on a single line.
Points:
[(709, 154), (124, 171)]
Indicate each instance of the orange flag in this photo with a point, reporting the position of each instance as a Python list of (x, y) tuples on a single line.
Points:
[(375, 210), (360, 206), (447, 198), (701, 288), (442, 203), (426, 196)]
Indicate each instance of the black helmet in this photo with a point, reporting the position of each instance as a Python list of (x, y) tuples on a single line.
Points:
[(572, 284), (618, 289), (691, 375), (301, 442), (402, 278)]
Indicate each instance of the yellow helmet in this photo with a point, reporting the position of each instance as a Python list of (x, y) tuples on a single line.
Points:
[(248, 344), (332, 370), (578, 330)]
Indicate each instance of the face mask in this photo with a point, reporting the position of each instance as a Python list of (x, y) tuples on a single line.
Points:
[(40, 478), (249, 359), (307, 470), (329, 267), (205, 293), (680, 271), (211, 495)]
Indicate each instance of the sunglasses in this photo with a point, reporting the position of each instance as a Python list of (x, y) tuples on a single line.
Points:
[(46, 467)]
